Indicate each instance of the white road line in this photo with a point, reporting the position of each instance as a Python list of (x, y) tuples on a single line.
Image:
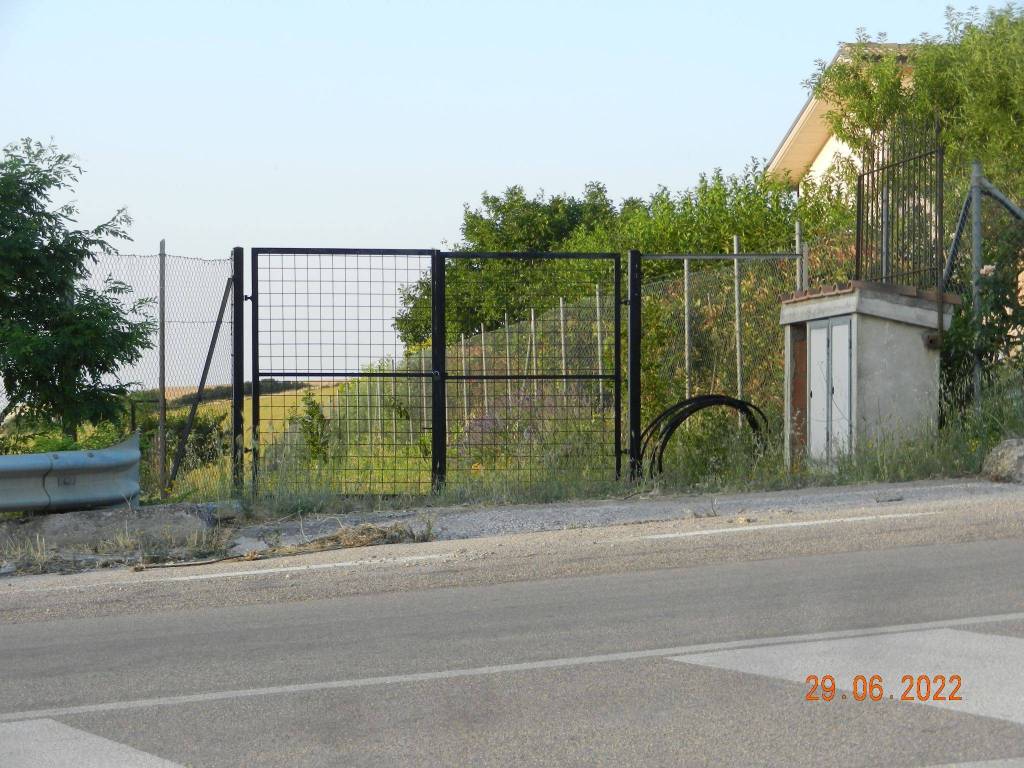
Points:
[(991, 667), (1013, 762), (797, 524), (314, 567), (573, 661), (38, 743)]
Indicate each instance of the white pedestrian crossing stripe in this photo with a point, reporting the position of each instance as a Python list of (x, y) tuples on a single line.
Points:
[(38, 743), (991, 666)]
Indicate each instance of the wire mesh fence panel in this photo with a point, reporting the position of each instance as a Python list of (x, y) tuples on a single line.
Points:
[(194, 291), (531, 393), (690, 346), (682, 358), (356, 418)]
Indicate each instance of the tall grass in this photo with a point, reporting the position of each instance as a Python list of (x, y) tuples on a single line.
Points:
[(716, 456)]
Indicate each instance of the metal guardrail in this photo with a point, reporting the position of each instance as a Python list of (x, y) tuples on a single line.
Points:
[(66, 480)]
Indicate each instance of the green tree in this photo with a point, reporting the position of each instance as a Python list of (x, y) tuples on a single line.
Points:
[(481, 291), (761, 209), (61, 342), (971, 79)]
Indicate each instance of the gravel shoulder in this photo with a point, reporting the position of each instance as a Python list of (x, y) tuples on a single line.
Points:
[(747, 527)]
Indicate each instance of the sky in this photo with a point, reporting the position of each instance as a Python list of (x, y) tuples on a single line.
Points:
[(371, 124)]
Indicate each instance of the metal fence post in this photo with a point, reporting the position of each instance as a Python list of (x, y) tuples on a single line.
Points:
[(940, 287), (254, 427), (738, 318), (617, 364), (633, 364), (237, 367), (600, 345), (886, 236), (859, 242), (439, 374), (800, 265), (686, 324), (162, 344), (976, 264)]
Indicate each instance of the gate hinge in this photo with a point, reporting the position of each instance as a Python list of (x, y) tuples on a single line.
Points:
[(246, 297)]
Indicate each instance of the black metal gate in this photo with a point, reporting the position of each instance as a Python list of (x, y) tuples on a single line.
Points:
[(523, 388)]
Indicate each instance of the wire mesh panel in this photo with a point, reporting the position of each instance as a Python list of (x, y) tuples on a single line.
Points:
[(899, 207), (532, 371), (702, 336), (200, 443), (340, 403)]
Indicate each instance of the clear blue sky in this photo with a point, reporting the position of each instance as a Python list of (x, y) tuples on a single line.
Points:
[(370, 124)]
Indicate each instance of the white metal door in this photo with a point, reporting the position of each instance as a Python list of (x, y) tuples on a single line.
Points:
[(818, 387), (839, 368)]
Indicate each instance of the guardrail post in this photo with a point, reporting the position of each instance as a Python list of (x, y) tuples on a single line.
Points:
[(237, 368), (633, 364), (439, 374)]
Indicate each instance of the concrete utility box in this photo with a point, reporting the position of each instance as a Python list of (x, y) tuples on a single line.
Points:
[(862, 363)]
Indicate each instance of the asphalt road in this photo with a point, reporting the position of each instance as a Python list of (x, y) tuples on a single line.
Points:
[(668, 644)]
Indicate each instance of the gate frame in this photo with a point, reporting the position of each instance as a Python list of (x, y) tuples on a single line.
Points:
[(439, 376), (255, 252)]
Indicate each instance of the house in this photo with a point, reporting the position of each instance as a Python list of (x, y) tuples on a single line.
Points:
[(809, 147)]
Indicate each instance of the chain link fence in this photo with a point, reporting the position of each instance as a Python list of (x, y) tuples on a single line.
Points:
[(194, 291), (711, 326)]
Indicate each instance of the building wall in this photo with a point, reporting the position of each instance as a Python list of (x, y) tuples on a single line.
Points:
[(897, 380), (834, 148)]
